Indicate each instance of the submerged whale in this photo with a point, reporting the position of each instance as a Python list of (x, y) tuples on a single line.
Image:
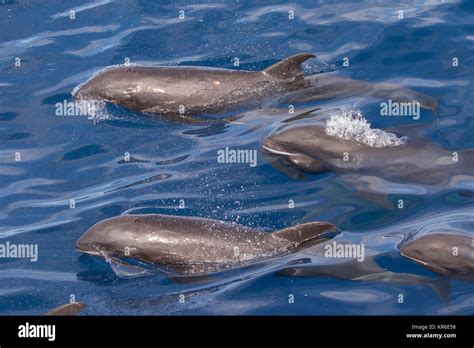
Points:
[(331, 85), (367, 271), (189, 91), (311, 150), (447, 254), (195, 246), (451, 255)]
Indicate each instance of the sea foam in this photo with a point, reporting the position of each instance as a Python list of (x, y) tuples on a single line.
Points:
[(351, 125)]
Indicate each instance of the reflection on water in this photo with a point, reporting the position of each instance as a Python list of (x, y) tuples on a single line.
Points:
[(61, 175)]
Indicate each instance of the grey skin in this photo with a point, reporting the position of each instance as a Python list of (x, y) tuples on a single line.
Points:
[(451, 255), (67, 309), (183, 91), (195, 246), (310, 150)]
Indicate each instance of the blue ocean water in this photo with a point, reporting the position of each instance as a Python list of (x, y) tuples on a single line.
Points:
[(47, 160)]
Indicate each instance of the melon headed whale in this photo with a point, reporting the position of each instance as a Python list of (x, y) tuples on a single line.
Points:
[(311, 150), (183, 91), (192, 246)]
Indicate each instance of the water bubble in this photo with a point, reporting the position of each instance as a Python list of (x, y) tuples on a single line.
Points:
[(351, 125)]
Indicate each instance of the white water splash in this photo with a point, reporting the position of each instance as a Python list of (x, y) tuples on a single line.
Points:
[(351, 125), (98, 113)]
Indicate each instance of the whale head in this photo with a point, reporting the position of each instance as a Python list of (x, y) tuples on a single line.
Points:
[(448, 254), (306, 148), (113, 84), (111, 237)]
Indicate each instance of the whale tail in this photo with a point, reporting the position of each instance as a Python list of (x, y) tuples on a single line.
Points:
[(442, 286), (309, 233), (289, 69)]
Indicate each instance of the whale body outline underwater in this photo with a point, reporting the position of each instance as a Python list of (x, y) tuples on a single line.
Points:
[(283, 81)]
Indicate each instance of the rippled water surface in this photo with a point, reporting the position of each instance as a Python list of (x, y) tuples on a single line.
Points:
[(82, 159)]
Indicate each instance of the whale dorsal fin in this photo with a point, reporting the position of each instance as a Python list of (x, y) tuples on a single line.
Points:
[(289, 68), (313, 232)]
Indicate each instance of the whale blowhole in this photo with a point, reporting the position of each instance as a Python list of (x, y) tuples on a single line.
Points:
[(351, 125)]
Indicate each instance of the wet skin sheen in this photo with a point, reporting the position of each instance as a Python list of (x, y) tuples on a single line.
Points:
[(194, 246)]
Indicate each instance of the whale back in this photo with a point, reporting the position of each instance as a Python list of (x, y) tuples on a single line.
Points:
[(169, 239), (307, 234)]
